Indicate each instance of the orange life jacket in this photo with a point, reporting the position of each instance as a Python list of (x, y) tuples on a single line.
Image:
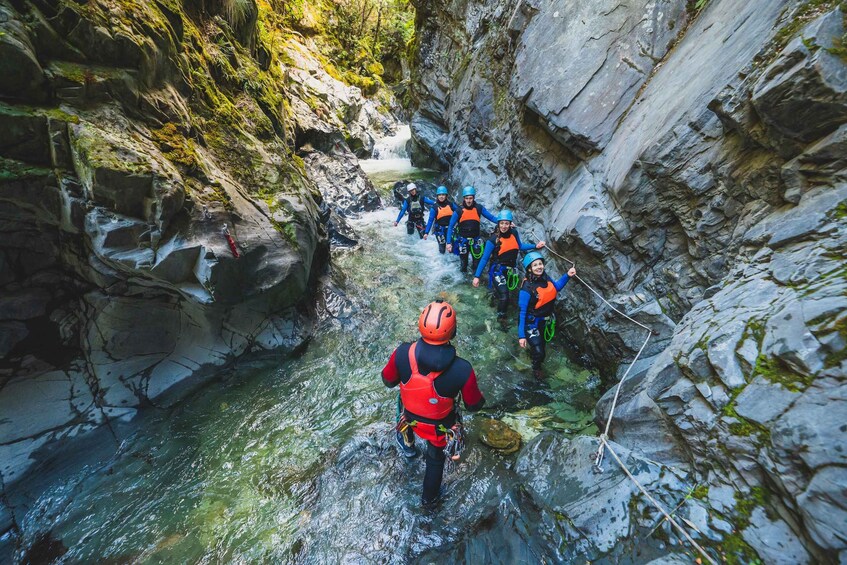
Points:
[(469, 215), (509, 243), (418, 393), (544, 292), (444, 211)]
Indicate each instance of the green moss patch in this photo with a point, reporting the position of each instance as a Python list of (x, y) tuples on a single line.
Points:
[(11, 170), (775, 371)]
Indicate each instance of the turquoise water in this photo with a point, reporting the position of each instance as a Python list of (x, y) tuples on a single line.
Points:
[(293, 461)]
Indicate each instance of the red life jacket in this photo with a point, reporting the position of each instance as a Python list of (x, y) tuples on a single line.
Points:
[(418, 393)]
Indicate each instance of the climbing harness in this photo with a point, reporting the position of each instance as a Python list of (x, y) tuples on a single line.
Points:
[(231, 242), (550, 329), (513, 279), (604, 437)]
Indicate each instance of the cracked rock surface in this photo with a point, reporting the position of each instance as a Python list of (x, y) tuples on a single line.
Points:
[(133, 138), (692, 165)]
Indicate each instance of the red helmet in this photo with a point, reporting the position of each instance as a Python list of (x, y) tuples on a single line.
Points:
[(437, 323)]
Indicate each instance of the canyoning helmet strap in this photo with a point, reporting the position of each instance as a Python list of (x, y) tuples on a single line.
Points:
[(505, 216), (468, 191), (441, 190), (530, 257)]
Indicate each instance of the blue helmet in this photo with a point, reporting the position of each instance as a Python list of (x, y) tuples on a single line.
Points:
[(441, 190), (468, 191), (530, 257), (505, 216)]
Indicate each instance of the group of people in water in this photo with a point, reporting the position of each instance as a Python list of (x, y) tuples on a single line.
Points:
[(429, 372)]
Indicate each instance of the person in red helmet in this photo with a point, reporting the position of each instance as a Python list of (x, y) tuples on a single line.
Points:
[(431, 376)]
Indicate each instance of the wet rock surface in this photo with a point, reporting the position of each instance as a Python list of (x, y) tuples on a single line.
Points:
[(130, 149), (705, 200)]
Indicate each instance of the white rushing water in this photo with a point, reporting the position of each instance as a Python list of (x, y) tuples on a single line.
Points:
[(391, 157)]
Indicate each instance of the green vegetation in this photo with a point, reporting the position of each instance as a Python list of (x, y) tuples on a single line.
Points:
[(803, 15), (700, 492), (175, 147), (364, 41), (746, 503), (778, 372), (736, 551), (694, 6), (744, 427), (15, 170)]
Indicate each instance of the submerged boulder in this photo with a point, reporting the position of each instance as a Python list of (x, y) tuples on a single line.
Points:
[(499, 436)]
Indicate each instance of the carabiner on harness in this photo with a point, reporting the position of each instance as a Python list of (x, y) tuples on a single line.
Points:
[(475, 254), (550, 329), (455, 444), (513, 279)]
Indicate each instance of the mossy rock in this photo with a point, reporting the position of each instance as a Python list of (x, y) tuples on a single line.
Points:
[(497, 435)]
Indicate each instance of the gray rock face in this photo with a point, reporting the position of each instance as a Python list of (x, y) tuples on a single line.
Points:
[(774, 541), (580, 98), (707, 201), (559, 475), (803, 93), (119, 287)]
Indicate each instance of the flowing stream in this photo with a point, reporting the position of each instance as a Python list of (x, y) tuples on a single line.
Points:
[(294, 461)]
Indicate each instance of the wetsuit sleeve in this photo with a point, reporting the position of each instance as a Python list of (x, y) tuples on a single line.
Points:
[(453, 220), (432, 212), (471, 394), (427, 200), (488, 215), (390, 376), (560, 284), (523, 306), (403, 210), (523, 246), (486, 255)]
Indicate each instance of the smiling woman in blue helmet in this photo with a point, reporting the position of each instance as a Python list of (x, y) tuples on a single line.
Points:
[(502, 249), (536, 322), (440, 214)]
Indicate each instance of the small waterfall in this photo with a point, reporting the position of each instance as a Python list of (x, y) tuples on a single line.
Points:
[(391, 157), (394, 147)]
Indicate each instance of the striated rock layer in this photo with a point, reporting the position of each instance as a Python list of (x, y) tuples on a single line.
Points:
[(133, 137), (692, 164)]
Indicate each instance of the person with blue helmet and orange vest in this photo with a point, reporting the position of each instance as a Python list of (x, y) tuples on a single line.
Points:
[(536, 300), (440, 214), (502, 249), (465, 228), (431, 376), (414, 203)]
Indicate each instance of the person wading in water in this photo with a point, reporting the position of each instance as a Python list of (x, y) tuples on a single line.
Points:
[(414, 203), (440, 214), (502, 248), (467, 221), (536, 322), (431, 376)]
